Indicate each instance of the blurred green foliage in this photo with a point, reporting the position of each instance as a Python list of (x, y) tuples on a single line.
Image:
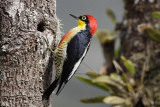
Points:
[(120, 87), (153, 33), (111, 15), (156, 15), (129, 65)]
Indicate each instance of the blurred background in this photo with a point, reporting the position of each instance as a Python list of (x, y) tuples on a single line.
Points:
[(75, 89)]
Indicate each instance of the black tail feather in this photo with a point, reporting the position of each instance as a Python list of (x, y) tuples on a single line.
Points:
[(61, 86), (48, 92)]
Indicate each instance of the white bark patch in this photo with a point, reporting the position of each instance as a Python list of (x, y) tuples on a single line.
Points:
[(151, 1), (35, 16), (17, 6), (143, 26), (136, 1), (50, 39), (45, 43), (4, 48)]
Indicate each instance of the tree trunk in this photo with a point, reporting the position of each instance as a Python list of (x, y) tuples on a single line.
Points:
[(25, 61), (140, 49)]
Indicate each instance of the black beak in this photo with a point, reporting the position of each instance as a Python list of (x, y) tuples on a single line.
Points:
[(74, 16)]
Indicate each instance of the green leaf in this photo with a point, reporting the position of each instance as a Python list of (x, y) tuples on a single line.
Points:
[(117, 78), (156, 15), (99, 85), (153, 34), (130, 88), (121, 105), (111, 15), (98, 99), (105, 79), (125, 78), (117, 52), (92, 74), (129, 65), (114, 100), (109, 81)]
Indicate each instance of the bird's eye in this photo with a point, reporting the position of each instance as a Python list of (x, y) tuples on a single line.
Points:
[(83, 17)]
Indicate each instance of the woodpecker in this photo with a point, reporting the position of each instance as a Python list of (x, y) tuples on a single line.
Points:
[(71, 51)]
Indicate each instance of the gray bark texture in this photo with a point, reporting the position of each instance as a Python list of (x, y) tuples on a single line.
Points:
[(25, 61)]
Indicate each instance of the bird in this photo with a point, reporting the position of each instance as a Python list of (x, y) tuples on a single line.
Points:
[(70, 52)]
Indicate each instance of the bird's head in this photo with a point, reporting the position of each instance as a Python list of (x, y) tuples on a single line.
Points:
[(87, 21)]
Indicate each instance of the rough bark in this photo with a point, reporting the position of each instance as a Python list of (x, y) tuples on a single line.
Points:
[(25, 61), (140, 49)]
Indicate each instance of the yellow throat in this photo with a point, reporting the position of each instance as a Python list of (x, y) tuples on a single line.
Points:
[(81, 24)]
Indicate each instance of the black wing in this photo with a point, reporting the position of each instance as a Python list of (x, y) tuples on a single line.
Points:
[(76, 50)]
